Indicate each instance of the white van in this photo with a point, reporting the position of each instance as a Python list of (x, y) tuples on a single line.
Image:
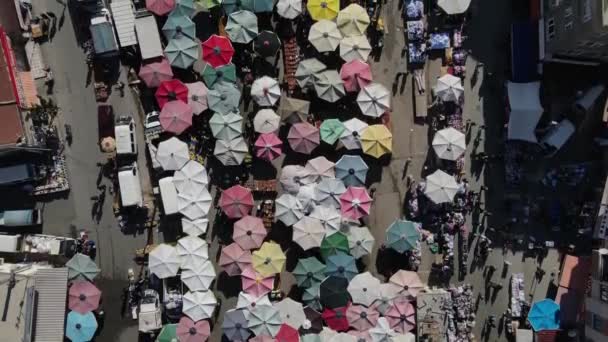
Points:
[(124, 131), (130, 186), (168, 195)]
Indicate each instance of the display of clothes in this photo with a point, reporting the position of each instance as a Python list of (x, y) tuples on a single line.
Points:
[(414, 9), (415, 30), (439, 41), (417, 52)]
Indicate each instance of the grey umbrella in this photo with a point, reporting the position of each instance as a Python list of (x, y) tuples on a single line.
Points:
[(352, 170), (224, 98), (306, 71), (235, 325)]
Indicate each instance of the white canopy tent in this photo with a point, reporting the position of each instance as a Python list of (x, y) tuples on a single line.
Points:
[(526, 110)]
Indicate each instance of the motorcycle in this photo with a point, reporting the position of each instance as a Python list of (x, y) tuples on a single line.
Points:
[(68, 134)]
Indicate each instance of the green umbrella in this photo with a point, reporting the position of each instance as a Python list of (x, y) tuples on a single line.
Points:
[(225, 73), (309, 271), (334, 243), (242, 27), (331, 130), (226, 126), (82, 267), (209, 4), (168, 334), (178, 24), (182, 51), (402, 235), (334, 292), (184, 7), (312, 296)]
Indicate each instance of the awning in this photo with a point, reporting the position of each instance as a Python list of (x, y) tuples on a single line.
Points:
[(148, 37), (575, 273), (27, 89), (526, 110), (124, 20), (102, 32), (51, 290)]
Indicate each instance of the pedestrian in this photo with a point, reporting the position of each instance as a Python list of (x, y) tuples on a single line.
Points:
[(120, 86), (49, 80)]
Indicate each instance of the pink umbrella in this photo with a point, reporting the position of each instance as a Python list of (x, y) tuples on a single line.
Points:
[(303, 137), (255, 284), (356, 74), (362, 318), (234, 259), (197, 96), (236, 201), (156, 72), (406, 283), (268, 146), (262, 338), (83, 297), (400, 315), (160, 7), (190, 331), (355, 203), (176, 117), (361, 336), (249, 232)]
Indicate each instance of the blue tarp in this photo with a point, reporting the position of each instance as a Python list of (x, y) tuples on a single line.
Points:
[(17, 218), (524, 51), (104, 41)]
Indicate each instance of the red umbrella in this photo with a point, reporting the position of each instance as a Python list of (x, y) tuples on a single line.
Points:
[(190, 331), (234, 259), (236, 201), (217, 51), (287, 334), (400, 315), (170, 91), (156, 72), (249, 232), (83, 297), (176, 117), (336, 318), (268, 146), (356, 74), (303, 137), (160, 7)]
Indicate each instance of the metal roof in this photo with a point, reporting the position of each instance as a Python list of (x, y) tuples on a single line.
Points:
[(51, 289), (103, 36), (124, 21), (148, 37)]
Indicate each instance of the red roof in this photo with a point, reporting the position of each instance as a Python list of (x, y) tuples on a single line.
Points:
[(575, 273)]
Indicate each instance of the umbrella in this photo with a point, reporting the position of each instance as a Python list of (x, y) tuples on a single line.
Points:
[(267, 44), (199, 277), (374, 100), (235, 325), (449, 88), (266, 121), (225, 73), (328, 216), (265, 320), (334, 243), (263, 6), (265, 91), (191, 175), (449, 144), (355, 203), (192, 251), (236, 201), (217, 51), (269, 259), (341, 265), (226, 126), (168, 333), (324, 35), (231, 6), (305, 196), (194, 204), (382, 332), (182, 51), (233, 259), (291, 312), (256, 284), (377, 141), (177, 25), (184, 7), (81, 266), (360, 336), (355, 47), (80, 327), (323, 9), (209, 4), (83, 297), (231, 152), (305, 73), (197, 96), (353, 20), (331, 130), (156, 72), (454, 6), (247, 302), (194, 227), (356, 74), (288, 209), (249, 232), (176, 117), (319, 168), (287, 334), (190, 331), (364, 289), (294, 110), (544, 315), (401, 316), (170, 91), (352, 170), (388, 292), (329, 86), (108, 144), (327, 334), (242, 26), (224, 98), (308, 233), (199, 305), (362, 318), (328, 192), (164, 261), (262, 338), (360, 241), (406, 283), (402, 236), (309, 271), (351, 138), (303, 137), (268, 146), (313, 322), (172, 154), (289, 9), (312, 296), (336, 318), (160, 7), (440, 187), (292, 178), (407, 337)]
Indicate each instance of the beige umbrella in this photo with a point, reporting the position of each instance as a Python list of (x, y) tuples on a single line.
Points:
[(353, 20), (306, 71), (324, 36), (374, 100), (108, 144), (266, 121), (294, 110), (265, 91), (231, 152), (355, 47), (329, 86)]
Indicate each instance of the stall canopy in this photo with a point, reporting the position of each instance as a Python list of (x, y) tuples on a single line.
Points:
[(104, 41), (148, 37), (124, 19), (526, 110)]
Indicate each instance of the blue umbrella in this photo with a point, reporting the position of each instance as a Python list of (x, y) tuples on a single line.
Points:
[(263, 5), (402, 235), (352, 170), (341, 265), (184, 7), (178, 24), (544, 315), (312, 296), (79, 327), (182, 51)]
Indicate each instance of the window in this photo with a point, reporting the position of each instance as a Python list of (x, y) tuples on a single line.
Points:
[(550, 28), (568, 12), (604, 293), (586, 10)]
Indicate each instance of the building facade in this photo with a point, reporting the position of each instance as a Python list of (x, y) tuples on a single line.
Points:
[(596, 305)]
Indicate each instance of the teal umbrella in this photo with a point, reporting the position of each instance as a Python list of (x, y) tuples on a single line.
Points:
[(309, 271), (226, 126), (263, 5), (312, 296), (182, 51), (331, 130), (334, 243), (352, 170), (242, 27), (402, 236), (178, 24), (168, 333), (225, 73), (184, 7), (82, 267), (231, 6), (341, 265), (224, 98), (544, 315), (80, 327)]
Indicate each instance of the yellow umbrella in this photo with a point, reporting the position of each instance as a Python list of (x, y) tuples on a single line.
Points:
[(323, 9), (353, 20), (269, 259), (376, 140)]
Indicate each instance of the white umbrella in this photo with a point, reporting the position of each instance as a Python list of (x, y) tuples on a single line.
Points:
[(449, 143), (324, 35), (382, 332), (319, 168), (360, 241), (351, 138), (440, 187), (226, 126), (449, 88), (194, 205), (200, 277), (329, 86), (355, 47), (289, 9), (292, 178), (199, 305), (328, 192), (388, 292), (191, 175), (374, 100), (342, 337), (329, 217), (407, 337), (248, 302), (306, 195), (195, 227), (364, 289), (172, 154), (265, 91), (288, 209), (264, 320), (192, 251), (454, 6), (307, 70), (291, 312), (308, 233), (164, 261), (231, 152), (266, 121)]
